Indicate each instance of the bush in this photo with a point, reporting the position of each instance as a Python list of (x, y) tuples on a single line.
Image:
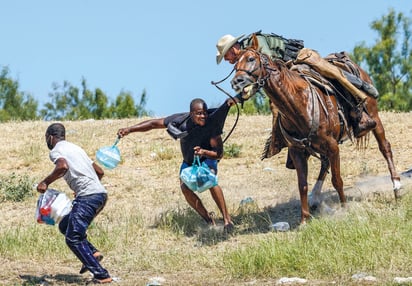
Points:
[(232, 150), (15, 187)]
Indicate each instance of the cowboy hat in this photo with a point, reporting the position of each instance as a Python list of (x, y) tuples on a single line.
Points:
[(224, 44)]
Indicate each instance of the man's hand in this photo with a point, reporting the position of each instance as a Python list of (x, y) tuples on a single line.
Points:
[(123, 132), (42, 187)]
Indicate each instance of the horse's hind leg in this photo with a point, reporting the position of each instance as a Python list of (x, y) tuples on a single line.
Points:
[(315, 198), (385, 149)]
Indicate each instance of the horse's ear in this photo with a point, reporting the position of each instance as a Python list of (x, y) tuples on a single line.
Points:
[(255, 42)]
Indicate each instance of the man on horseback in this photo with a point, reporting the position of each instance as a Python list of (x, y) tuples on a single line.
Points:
[(291, 50)]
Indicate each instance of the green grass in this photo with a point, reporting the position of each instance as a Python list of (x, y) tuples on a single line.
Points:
[(334, 247), (15, 188)]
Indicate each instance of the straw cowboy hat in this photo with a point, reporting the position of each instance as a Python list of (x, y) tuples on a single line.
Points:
[(224, 44)]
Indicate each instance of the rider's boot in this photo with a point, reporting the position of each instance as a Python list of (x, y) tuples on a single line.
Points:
[(363, 123)]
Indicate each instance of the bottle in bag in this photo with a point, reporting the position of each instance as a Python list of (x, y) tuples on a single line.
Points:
[(46, 209)]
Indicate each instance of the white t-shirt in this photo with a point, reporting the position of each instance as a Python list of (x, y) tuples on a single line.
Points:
[(81, 176)]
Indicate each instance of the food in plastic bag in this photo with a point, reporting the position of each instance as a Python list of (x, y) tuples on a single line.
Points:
[(52, 206), (198, 177)]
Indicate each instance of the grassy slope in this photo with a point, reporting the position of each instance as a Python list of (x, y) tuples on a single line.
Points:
[(146, 229)]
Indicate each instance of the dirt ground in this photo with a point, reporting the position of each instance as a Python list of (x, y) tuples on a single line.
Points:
[(147, 184)]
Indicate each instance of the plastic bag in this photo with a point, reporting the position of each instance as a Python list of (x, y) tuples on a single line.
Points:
[(198, 177), (52, 206), (109, 156)]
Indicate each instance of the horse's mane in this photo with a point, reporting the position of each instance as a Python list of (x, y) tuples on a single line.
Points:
[(292, 82)]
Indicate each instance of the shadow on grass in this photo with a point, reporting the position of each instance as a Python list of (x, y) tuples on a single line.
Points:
[(52, 279), (250, 218)]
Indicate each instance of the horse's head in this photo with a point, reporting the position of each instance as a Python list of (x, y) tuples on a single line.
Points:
[(250, 71)]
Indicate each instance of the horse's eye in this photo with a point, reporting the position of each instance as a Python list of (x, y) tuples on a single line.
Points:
[(251, 59)]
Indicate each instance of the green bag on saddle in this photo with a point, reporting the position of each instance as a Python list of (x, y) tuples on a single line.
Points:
[(275, 46)]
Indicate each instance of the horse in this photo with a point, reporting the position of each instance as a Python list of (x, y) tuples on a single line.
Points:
[(313, 121)]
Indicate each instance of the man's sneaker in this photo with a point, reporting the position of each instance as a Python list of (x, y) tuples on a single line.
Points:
[(103, 281), (98, 257)]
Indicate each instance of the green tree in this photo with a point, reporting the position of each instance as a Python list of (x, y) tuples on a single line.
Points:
[(15, 104), (258, 104), (64, 99), (389, 61), (125, 107), (141, 107), (71, 103)]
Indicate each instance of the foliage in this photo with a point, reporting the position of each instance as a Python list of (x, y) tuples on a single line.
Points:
[(15, 188), (70, 103), (232, 150), (13, 103), (389, 61)]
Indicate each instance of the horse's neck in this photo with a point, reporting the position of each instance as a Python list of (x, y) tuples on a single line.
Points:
[(292, 103)]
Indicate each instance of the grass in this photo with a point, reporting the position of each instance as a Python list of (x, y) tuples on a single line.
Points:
[(147, 231), (367, 239)]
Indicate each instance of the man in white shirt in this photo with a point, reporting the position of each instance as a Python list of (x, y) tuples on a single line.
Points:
[(83, 177)]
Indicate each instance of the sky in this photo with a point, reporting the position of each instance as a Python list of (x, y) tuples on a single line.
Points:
[(167, 48)]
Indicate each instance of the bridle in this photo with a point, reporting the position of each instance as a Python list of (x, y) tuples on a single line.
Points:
[(263, 65)]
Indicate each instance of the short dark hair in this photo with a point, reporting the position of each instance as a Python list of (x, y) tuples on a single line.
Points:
[(57, 130), (197, 101)]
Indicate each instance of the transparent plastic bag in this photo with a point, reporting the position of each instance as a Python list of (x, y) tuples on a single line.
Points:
[(198, 177), (109, 156), (52, 206)]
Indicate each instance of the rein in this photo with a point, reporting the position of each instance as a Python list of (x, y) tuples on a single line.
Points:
[(231, 97)]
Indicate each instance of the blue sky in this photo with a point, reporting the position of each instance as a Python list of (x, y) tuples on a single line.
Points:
[(164, 47)]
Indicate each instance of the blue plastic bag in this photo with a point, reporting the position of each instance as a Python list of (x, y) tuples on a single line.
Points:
[(198, 177), (109, 156)]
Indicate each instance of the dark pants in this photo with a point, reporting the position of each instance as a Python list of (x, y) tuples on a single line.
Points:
[(74, 227)]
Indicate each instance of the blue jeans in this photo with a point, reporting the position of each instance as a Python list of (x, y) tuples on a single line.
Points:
[(74, 227)]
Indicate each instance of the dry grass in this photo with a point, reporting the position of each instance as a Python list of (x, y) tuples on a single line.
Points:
[(144, 188)]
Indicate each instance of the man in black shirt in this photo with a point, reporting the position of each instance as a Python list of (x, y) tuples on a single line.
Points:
[(199, 132)]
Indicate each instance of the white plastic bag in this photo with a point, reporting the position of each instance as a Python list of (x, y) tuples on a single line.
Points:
[(52, 206)]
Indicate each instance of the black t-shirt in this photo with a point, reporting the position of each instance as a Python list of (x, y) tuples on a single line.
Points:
[(198, 135)]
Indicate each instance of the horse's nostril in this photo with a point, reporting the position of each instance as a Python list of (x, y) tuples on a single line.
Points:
[(237, 81)]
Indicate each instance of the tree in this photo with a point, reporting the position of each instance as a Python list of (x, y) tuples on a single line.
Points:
[(389, 61), (64, 99), (258, 104), (13, 103)]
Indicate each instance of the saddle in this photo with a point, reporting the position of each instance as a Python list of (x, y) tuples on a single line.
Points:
[(275, 142)]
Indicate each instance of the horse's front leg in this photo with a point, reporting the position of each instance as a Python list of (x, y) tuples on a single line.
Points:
[(385, 149), (337, 182), (300, 161), (315, 198)]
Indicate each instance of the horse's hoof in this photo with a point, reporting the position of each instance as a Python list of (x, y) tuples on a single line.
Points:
[(313, 207), (397, 187), (398, 194)]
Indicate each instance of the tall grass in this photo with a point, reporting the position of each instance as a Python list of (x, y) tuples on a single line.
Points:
[(334, 247)]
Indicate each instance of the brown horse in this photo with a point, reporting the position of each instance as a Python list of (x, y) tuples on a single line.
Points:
[(313, 121)]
